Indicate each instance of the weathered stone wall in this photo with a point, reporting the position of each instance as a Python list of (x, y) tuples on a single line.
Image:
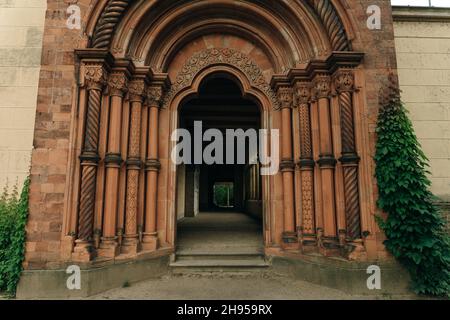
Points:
[(422, 39), (21, 30), (423, 56), (57, 107)]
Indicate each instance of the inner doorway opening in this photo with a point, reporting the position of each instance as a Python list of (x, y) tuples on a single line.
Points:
[(219, 204)]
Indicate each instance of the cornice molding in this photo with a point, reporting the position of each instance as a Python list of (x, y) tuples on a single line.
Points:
[(420, 14)]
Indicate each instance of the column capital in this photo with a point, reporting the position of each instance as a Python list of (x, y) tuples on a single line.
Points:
[(285, 96), (95, 76), (136, 90), (302, 93), (322, 86), (117, 83), (154, 95), (344, 80)]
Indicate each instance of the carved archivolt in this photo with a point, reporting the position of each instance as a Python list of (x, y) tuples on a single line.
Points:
[(109, 18), (210, 57), (332, 23), (115, 9)]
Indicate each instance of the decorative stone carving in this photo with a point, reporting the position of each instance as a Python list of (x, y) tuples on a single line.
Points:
[(307, 188), (333, 24), (322, 86), (136, 90), (302, 93), (215, 56), (117, 84), (94, 76), (111, 15), (344, 81), (154, 95), (285, 96)]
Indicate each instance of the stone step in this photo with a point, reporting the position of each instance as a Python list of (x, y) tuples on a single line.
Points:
[(215, 262), (219, 255)]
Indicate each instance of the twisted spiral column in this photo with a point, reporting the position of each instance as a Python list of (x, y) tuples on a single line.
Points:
[(344, 84), (95, 79)]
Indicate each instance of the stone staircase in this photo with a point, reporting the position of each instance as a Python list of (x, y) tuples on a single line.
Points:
[(236, 261), (219, 242)]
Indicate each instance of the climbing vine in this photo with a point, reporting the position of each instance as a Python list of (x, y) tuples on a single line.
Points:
[(414, 227), (13, 217)]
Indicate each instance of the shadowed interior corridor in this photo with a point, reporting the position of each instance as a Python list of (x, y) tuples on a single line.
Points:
[(220, 232)]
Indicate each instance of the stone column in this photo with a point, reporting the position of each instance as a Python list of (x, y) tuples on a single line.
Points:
[(285, 95), (95, 79), (306, 164), (113, 159), (131, 237), (152, 166), (327, 238), (344, 84)]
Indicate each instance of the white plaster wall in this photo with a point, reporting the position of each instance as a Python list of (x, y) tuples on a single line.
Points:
[(21, 30), (423, 56)]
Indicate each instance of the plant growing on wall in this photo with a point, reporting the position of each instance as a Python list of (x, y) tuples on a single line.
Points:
[(414, 227), (13, 217)]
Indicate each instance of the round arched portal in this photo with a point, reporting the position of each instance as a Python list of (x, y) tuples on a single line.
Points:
[(219, 200), (246, 99), (295, 62)]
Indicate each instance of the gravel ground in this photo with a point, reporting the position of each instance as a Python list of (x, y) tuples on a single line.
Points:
[(223, 286)]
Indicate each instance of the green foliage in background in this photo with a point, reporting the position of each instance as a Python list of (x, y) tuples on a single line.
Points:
[(414, 227), (13, 217), (221, 194)]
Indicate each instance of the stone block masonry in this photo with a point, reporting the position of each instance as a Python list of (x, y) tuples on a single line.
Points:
[(21, 31)]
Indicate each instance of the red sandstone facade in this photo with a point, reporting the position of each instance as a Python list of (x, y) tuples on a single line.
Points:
[(102, 183)]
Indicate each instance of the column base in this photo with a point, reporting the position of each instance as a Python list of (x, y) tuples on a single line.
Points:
[(150, 241), (330, 247), (130, 245), (84, 251), (109, 248), (290, 241), (308, 243), (355, 250)]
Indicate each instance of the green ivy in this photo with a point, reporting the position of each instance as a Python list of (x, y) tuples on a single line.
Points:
[(414, 227), (13, 218)]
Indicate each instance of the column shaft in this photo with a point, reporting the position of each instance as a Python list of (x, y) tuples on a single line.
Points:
[(344, 83), (326, 163), (95, 78), (131, 243), (113, 161), (150, 240), (285, 95), (306, 163)]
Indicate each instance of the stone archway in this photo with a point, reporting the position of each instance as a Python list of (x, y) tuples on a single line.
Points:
[(248, 75), (122, 198)]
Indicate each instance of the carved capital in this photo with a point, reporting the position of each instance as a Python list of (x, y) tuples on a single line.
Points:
[(95, 76), (117, 84), (285, 96), (154, 95), (136, 90), (344, 81), (322, 86), (302, 93)]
